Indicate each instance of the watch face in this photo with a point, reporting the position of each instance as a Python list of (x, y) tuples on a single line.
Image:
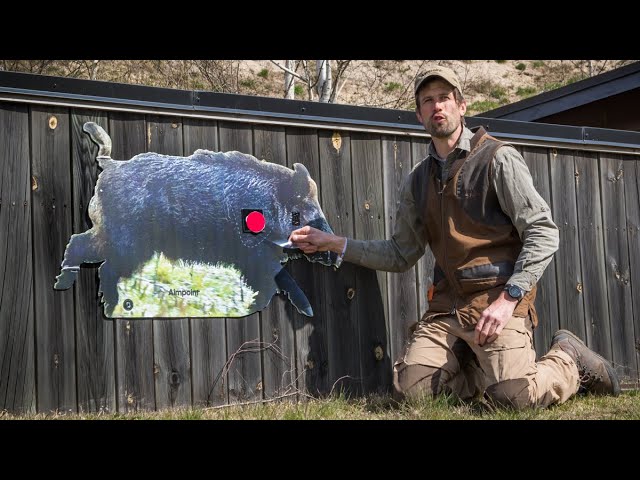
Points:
[(515, 291)]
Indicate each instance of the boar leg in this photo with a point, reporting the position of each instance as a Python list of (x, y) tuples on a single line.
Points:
[(287, 284), (81, 249), (108, 287)]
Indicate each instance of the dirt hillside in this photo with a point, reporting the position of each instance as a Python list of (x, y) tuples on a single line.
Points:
[(487, 84)]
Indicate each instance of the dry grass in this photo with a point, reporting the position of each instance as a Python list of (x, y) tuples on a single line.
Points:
[(624, 407)]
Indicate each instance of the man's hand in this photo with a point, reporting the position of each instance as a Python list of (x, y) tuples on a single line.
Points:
[(494, 318), (312, 240)]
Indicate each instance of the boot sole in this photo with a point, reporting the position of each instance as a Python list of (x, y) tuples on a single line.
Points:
[(607, 365)]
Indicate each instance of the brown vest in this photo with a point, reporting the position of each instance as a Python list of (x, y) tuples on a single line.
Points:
[(473, 241)]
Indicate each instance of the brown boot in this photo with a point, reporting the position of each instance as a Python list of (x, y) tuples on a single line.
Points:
[(596, 374)]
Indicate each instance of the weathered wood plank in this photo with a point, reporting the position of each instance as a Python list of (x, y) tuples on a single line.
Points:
[(537, 159), (278, 334), (134, 338), (311, 333), (567, 258), (343, 346), (424, 267), (592, 260), (403, 301), (208, 335), (632, 197), (17, 379), (616, 248), (243, 334), (172, 367), (198, 133), (55, 338), (371, 289), (94, 333)]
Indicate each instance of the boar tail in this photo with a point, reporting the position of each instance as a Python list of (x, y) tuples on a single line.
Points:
[(103, 141)]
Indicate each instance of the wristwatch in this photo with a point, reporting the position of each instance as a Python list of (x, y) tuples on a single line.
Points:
[(514, 291)]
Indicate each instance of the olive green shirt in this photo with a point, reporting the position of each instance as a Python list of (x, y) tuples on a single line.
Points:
[(518, 198)]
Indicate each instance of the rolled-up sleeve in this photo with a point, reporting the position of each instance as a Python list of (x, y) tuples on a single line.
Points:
[(530, 215), (406, 246)]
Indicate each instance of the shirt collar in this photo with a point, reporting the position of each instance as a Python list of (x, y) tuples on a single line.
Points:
[(464, 143)]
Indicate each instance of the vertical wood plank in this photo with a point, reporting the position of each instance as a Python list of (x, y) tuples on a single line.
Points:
[(567, 258), (278, 334), (371, 291), (403, 301), (613, 173), (208, 336), (94, 333), (342, 320), (198, 133), (311, 333), (632, 198), (243, 334), (134, 338), (55, 338), (172, 368), (592, 259), (537, 159), (424, 267), (17, 379)]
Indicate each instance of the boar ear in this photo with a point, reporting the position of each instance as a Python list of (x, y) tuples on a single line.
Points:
[(301, 178)]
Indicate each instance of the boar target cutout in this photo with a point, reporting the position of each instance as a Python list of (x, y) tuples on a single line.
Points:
[(204, 235)]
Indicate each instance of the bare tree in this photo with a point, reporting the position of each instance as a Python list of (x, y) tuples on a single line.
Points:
[(340, 78), (321, 84), (289, 80), (221, 75)]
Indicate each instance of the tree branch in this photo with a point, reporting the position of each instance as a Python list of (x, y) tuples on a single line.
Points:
[(285, 69)]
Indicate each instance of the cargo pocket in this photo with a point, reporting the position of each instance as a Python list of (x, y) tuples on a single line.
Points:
[(511, 354)]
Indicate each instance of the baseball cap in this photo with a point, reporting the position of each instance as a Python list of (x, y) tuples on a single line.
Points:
[(438, 71)]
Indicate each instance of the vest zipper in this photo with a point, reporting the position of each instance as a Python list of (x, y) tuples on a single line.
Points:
[(443, 240)]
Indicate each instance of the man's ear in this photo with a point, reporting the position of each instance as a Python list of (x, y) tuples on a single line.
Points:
[(418, 115), (463, 108)]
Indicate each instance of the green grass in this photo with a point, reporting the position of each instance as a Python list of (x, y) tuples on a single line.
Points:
[(483, 106), (498, 92), (248, 83), (264, 73), (339, 407), (222, 291), (526, 92), (551, 86), (392, 86)]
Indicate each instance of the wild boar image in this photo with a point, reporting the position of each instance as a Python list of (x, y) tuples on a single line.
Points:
[(208, 230)]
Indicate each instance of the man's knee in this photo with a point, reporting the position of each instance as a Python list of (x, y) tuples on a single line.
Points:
[(513, 393), (414, 381)]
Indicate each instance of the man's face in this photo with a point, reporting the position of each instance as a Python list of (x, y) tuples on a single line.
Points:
[(438, 110)]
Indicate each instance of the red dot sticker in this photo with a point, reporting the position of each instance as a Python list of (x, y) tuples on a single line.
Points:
[(255, 222)]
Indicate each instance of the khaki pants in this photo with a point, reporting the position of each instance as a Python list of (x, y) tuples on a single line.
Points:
[(440, 358)]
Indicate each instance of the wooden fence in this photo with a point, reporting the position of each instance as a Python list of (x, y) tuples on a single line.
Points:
[(59, 353)]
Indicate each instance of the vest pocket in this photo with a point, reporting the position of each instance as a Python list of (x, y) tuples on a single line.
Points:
[(473, 285), (484, 277)]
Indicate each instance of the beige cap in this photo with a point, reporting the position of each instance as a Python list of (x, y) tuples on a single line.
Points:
[(438, 71)]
